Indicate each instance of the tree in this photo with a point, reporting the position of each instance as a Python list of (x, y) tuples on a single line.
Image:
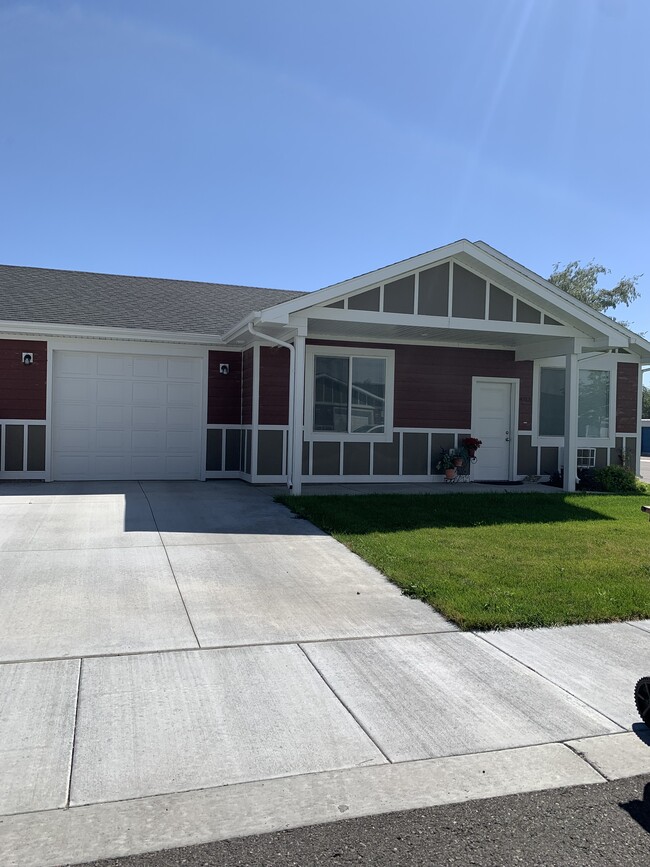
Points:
[(581, 281), (645, 412)]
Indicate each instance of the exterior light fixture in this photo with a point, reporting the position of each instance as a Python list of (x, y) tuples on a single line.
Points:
[(224, 368), (28, 358)]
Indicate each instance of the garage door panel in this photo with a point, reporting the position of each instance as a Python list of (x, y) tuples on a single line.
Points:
[(113, 391), (78, 440), (77, 363), (79, 390), (112, 440), (114, 365), (118, 416), (73, 416), (73, 466), (112, 417), (148, 441), (182, 368), (148, 417), (182, 394), (181, 440), (148, 393), (149, 367), (177, 467), (148, 466), (177, 418)]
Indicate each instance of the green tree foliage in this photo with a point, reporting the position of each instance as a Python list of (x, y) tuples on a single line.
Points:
[(581, 281)]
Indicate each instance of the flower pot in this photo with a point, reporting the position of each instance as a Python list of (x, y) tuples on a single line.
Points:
[(458, 462), (450, 473), (471, 453)]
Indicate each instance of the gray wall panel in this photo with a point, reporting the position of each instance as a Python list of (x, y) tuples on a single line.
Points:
[(386, 458), (269, 452), (36, 447), (326, 459), (14, 442), (213, 450), (415, 457)]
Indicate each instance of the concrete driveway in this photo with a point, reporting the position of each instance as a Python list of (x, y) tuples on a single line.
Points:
[(183, 662)]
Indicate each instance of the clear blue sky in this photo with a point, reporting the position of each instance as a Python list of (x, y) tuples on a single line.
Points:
[(292, 144)]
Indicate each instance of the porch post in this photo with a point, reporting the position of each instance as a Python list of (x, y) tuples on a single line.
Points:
[(298, 412), (570, 422)]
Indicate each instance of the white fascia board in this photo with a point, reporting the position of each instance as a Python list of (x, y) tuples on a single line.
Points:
[(50, 329), (241, 328)]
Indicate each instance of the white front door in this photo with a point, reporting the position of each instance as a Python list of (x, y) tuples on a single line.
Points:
[(492, 415)]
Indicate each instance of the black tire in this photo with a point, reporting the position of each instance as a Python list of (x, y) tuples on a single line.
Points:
[(642, 699)]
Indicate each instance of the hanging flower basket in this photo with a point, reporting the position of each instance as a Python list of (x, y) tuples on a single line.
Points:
[(472, 444)]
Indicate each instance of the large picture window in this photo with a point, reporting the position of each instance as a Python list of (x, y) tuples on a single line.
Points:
[(593, 402), (349, 393)]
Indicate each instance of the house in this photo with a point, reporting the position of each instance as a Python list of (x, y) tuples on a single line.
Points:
[(108, 377)]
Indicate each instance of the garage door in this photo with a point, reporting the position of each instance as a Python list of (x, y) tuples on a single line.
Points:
[(117, 416)]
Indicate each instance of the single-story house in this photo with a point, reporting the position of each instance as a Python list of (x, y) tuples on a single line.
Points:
[(111, 377)]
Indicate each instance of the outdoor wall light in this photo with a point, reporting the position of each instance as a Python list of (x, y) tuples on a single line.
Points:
[(224, 368), (28, 358)]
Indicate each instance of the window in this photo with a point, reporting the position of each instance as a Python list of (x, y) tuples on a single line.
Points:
[(351, 393), (593, 402), (551, 402), (586, 458)]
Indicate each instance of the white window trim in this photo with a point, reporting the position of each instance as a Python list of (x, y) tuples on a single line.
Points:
[(349, 352), (605, 361)]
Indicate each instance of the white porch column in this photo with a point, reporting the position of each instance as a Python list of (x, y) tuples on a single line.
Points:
[(298, 412), (570, 422)]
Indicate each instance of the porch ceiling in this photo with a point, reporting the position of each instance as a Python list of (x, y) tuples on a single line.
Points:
[(341, 330)]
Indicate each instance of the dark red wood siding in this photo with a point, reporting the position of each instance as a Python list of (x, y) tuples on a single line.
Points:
[(433, 384), (23, 387), (274, 385), (627, 395), (224, 390), (247, 388)]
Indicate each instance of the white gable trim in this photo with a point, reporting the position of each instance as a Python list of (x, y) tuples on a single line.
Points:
[(544, 294)]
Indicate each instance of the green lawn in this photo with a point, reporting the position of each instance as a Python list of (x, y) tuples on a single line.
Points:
[(491, 561)]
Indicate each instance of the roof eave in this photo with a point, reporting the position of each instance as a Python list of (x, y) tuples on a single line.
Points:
[(103, 332)]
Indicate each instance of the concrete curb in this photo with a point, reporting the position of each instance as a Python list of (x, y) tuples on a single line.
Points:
[(111, 830)]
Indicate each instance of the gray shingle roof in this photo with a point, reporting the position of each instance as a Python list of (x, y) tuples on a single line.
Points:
[(83, 298)]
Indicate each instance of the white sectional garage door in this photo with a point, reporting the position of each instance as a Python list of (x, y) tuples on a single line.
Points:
[(117, 416)]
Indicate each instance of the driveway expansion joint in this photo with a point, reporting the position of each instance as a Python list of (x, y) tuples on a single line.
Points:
[(621, 728), (153, 517), (343, 704), (584, 758), (74, 735)]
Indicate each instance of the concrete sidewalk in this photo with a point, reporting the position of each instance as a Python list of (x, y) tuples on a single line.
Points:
[(184, 662)]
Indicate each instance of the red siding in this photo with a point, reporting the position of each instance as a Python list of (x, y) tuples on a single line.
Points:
[(274, 385), (433, 384), (627, 395), (247, 388), (23, 387), (224, 391)]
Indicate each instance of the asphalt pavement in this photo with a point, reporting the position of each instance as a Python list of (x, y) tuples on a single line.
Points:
[(581, 826)]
